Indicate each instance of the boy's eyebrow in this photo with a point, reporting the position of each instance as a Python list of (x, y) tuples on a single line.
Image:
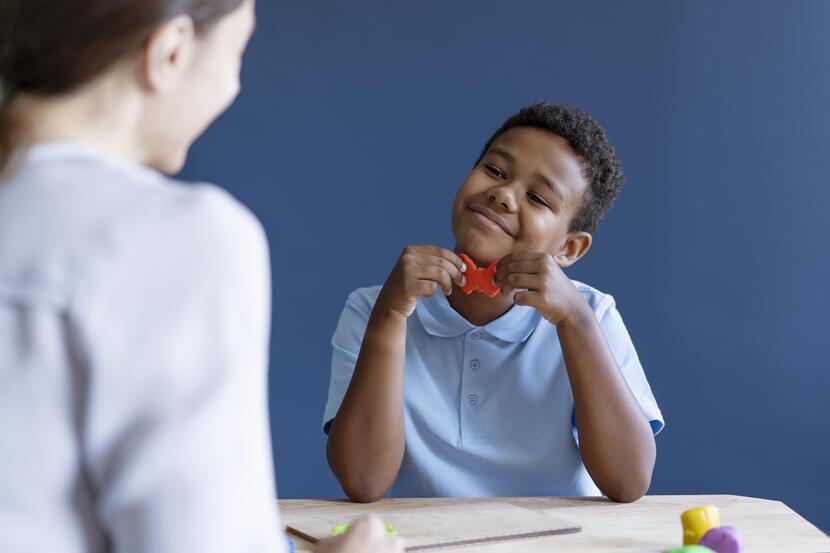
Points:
[(548, 182), (503, 153), (551, 184)]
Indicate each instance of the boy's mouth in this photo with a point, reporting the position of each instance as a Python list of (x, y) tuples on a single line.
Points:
[(488, 218)]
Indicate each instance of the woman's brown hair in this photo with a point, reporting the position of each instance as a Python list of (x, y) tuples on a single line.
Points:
[(50, 47)]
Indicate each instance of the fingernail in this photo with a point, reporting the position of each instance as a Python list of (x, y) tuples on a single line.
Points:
[(463, 281), (463, 267)]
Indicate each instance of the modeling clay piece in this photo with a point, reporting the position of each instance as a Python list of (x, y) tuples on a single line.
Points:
[(342, 529), (478, 279), (691, 549), (725, 539), (696, 522)]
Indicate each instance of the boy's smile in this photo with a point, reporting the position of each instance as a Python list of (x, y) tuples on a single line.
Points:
[(521, 196), (490, 219)]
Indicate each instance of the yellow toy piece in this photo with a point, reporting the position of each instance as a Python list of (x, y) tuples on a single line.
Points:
[(696, 522)]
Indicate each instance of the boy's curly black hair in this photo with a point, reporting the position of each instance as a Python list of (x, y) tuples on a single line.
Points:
[(602, 167)]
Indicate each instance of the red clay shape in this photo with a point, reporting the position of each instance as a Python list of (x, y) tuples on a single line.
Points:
[(478, 278)]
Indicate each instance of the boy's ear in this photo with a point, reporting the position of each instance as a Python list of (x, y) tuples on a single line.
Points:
[(576, 245)]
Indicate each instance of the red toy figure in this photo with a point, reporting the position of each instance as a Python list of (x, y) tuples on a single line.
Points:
[(479, 279)]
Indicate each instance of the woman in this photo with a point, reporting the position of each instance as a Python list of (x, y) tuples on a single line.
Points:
[(134, 310)]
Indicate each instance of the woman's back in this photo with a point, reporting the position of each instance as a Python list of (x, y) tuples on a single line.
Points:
[(133, 335), (134, 310)]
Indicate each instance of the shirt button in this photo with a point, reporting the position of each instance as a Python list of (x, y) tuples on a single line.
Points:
[(472, 399), (477, 336), (475, 364)]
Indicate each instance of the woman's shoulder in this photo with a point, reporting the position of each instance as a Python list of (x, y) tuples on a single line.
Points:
[(77, 212), (200, 227)]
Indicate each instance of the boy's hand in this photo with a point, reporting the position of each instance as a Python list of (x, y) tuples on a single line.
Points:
[(420, 271), (548, 289)]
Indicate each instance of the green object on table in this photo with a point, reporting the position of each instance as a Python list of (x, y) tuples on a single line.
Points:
[(343, 528), (691, 549), (337, 530)]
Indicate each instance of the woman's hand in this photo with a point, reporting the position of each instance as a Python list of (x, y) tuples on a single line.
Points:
[(366, 535)]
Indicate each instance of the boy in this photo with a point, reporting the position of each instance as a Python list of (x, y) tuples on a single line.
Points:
[(535, 391)]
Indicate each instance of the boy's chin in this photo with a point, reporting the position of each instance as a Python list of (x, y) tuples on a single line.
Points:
[(483, 255)]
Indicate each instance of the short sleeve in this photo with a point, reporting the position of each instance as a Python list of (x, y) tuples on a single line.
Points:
[(622, 347), (345, 345), (173, 330)]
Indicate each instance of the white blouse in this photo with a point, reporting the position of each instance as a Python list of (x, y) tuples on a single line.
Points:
[(134, 327)]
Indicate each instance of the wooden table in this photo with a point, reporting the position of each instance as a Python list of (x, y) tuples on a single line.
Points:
[(648, 525)]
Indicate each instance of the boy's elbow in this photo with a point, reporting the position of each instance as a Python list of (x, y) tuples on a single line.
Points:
[(629, 490), (361, 489), (362, 494), (359, 485), (628, 481)]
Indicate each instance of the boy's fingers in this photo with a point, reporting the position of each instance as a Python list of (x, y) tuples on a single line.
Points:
[(514, 267), (530, 298), (523, 281), (437, 274), (504, 262), (433, 273), (424, 287), (516, 257), (421, 262), (455, 273), (443, 253), (520, 256)]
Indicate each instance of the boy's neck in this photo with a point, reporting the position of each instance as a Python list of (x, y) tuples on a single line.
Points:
[(477, 308)]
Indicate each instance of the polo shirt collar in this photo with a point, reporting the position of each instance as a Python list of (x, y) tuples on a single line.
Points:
[(440, 319)]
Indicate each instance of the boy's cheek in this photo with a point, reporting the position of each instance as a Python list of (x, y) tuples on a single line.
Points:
[(462, 201), (459, 208), (474, 184)]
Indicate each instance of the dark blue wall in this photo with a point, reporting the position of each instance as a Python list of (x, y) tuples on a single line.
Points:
[(358, 120)]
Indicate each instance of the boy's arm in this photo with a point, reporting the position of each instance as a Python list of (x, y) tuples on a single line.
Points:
[(615, 439), (366, 439)]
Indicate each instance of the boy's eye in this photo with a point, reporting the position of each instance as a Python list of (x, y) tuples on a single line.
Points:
[(495, 171), (536, 198)]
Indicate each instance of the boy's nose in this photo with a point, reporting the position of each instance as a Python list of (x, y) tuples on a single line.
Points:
[(503, 197)]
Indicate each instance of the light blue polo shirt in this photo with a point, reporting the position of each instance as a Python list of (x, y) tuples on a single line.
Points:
[(488, 410)]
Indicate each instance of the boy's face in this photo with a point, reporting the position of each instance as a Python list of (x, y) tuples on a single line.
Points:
[(521, 196)]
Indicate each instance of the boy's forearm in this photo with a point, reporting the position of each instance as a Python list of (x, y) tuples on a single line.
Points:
[(366, 441), (615, 438)]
